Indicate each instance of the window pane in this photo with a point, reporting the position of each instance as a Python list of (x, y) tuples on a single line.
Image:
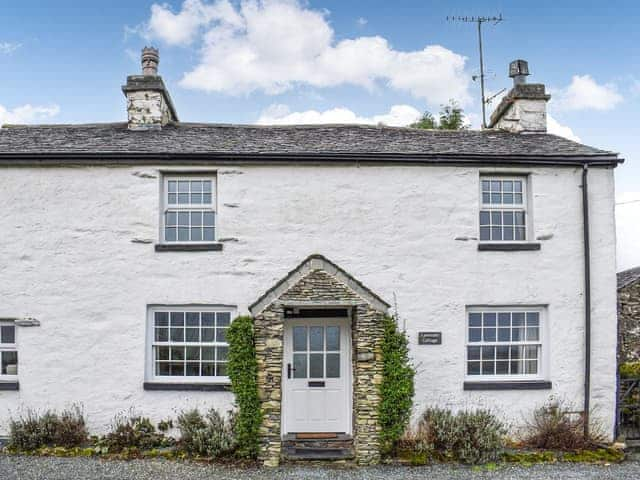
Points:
[(517, 186), (193, 319), (221, 335), (223, 354), (162, 335), (473, 353), (172, 186), (518, 218), (502, 353), (531, 367), (488, 368), (177, 353), (177, 319), (208, 369), (507, 198), (484, 218), (475, 334), (196, 198), (9, 363), (504, 334), (221, 369), (517, 319), (208, 219), (333, 365), (196, 186), (193, 335), (196, 234), (196, 218), (299, 339), (488, 353), (183, 219), (193, 369), (171, 218), (502, 368), (206, 198), (162, 353), (473, 368), (496, 218), (300, 365), (507, 186), (193, 353), (208, 319), (170, 234), (208, 334), (316, 365), (177, 334), (176, 369), (333, 338), (172, 198), (495, 186), (486, 198), (8, 334), (183, 198), (223, 318), (504, 319), (183, 234), (208, 235), (508, 233), (486, 185), (162, 369), (489, 334), (183, 187), (206, 186), (316, 339), (533, 319), (489, 319), (532, 334), (485, 233), (208, 353), (496, 233), (475, 319), (161, 319)]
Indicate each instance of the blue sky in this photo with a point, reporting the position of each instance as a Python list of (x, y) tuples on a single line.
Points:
[(64, 61)]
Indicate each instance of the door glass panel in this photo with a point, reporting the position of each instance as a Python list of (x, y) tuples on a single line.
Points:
[(333, 365), (333, 339), (300, 339), (316, 365), (316, 339), (300, 365)]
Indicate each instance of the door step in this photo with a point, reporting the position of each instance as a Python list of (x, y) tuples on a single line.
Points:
[(326, 447)]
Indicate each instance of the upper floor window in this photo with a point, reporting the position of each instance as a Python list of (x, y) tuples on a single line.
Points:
[(505, 342), (503, 209), (188, 344), (8, 351), (189, 209)]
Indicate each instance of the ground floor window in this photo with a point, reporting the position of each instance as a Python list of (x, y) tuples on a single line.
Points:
[(188, 344), (505, 343), (8, 351)]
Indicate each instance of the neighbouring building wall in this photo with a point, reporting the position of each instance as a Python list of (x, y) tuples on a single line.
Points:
[(78, 255), (629, 318)]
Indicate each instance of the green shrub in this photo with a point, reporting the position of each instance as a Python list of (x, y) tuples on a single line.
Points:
[(396, 388), (131, 431), (468, 436), (208, 436), (243, 372), (34, 430), (556, 427), (630, 370)]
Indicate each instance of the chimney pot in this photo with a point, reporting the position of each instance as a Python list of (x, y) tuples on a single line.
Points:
[(150, 60), (518, 70)]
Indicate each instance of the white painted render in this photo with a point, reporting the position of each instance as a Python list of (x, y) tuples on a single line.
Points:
[(72, 258)]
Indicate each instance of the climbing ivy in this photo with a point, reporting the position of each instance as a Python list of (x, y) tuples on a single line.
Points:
[(243, 372), (396, 389)]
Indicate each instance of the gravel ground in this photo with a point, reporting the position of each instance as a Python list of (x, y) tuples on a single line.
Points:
[(52, 468)]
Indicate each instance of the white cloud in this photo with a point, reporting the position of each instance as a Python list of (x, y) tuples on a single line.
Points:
[(278, 114), (562, 130), (9, 47), (27, 114), (275, 45), (585, 93), (362, 21)]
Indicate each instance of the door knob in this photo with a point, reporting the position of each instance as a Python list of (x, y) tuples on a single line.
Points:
[(289, 370)]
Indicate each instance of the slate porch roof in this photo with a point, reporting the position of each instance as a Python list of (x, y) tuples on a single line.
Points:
[(627, 277), (115, 140)]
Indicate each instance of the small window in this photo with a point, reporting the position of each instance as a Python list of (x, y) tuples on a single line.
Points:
[(503, 209), (8, 352), (188, 344), (189, 213), (505, 343)]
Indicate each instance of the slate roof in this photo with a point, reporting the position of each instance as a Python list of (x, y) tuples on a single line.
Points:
[(299, 140), (628, 277)]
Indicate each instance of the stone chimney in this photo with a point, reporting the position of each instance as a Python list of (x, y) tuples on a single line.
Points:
[(524, 108), (149, 104)]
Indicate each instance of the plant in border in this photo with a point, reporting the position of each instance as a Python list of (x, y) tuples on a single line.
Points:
[(49, 429), (243, 372), (396, 388), (210, 435)]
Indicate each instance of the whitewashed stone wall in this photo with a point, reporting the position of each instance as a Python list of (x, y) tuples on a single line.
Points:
[(72, 258)]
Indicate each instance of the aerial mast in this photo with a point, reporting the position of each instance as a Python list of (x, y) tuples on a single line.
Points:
[(479, 21)]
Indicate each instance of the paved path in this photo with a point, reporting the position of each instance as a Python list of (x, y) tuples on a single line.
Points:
[(50, 468)]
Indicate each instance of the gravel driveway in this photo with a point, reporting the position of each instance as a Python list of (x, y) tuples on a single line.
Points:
[(52, 468)]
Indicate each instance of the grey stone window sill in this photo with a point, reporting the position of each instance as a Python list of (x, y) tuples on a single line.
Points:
[(198, 387), (9, 386), (509, 385), (188, 247), (508, 247)]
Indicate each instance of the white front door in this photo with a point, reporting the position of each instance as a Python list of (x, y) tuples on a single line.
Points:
[(317, 375)]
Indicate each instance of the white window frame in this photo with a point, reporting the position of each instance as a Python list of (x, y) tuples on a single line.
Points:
[(10, 347), (150, 375), (203, 207), (507, 207), (543, 356)]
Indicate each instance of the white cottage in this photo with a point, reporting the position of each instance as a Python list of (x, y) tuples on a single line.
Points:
[(128, 248)]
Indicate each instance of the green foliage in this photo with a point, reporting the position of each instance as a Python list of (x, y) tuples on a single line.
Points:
[(33, 430), (451, 117), (471, 437), (243, 372), (131, 431), (396, 388), (554, 427), (209, 436), (630, 370)]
